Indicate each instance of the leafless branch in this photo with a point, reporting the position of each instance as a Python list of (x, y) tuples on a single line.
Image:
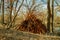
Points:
[(33, 3), (16, 4), (32, 7), (57, 3), (35, 6), (15, 9), (15, 15)]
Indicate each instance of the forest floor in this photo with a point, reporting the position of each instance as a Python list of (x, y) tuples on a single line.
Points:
[(20, 35)]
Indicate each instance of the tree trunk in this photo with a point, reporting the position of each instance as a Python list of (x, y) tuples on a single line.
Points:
[(2, 11), (48, 19), (15, 11), (52, 14), (11, 5), (0, 7)]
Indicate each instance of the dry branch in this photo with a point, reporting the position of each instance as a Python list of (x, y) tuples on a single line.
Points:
[(32, 24), (15, 15)]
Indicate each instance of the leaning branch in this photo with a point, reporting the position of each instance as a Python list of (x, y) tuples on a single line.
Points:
[(15, 15)]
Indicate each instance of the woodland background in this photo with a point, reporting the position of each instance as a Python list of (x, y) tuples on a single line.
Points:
[(13, 12)]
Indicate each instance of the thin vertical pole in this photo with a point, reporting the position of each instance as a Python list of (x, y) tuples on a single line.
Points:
[(48, 18), (2, 11), (52, 14)]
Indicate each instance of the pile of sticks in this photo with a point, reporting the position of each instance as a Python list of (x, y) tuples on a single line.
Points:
[(32, 24)]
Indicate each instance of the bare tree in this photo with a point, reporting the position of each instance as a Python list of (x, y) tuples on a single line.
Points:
[(52, 14), (0, 7), (48, 19), (2, 11), (16, 13), (31, 9), (11, 7)]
